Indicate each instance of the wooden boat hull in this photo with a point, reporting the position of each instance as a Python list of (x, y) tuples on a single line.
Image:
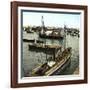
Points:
[(55, 69), (62, 68), (58, 69), (44, 48), (32, 41), (50, 36)]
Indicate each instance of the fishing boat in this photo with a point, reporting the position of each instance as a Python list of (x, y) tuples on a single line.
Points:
[(54, 66), (41, 47), (52, 33), (33, 40), (29, 30)]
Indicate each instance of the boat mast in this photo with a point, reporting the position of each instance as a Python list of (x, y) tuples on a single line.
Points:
[(65, 37), (42, 32), (42, 27)]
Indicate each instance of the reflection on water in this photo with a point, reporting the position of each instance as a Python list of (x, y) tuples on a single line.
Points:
[(32, 59)]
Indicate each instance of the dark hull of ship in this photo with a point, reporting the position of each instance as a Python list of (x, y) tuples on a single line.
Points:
[(50, 36), (29, 31), (44, 49), (32, 41)]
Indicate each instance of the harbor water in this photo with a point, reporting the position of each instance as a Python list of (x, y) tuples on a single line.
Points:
[(31, 59)]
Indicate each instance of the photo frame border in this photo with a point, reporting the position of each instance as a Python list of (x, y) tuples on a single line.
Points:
[(14, 43)]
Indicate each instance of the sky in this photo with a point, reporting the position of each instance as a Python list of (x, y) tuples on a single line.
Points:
[(51, 19)]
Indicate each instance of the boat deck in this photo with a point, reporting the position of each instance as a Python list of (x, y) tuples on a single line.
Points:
[(44, 48)]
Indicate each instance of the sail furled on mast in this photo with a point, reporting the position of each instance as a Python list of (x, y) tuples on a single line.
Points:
[(42, 20), (42, 26), (65, 42)]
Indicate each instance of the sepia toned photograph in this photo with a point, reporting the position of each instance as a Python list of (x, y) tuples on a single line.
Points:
[(50, 43)]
